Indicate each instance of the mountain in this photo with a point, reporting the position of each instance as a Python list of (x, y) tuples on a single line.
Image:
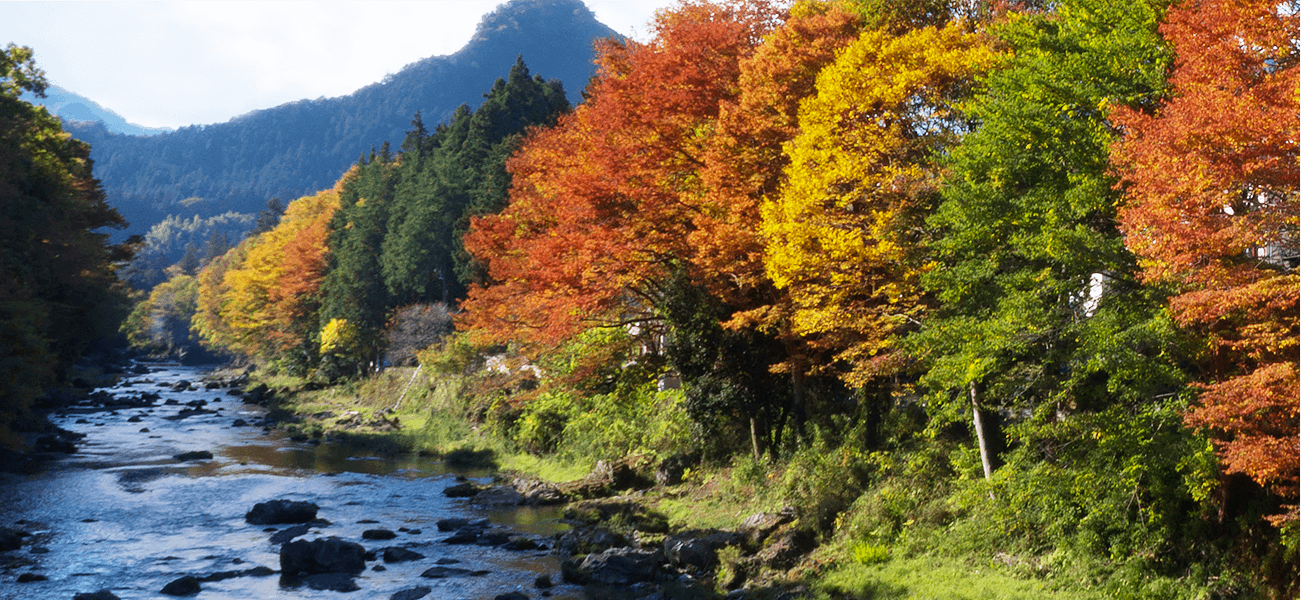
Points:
[(305, 146), (73, 107)]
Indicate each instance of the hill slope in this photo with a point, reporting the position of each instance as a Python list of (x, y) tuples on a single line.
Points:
[(70, 107), (304, 146)]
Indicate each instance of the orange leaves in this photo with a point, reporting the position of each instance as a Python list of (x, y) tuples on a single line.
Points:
[(261, 298), (1213, 208), (603, 203)]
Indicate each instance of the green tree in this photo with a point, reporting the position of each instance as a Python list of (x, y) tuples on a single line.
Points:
[(1040, 310), (455, 174), (56, 270)]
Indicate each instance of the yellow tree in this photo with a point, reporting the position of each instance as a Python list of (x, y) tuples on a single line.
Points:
[(273, 292), (842, 233)]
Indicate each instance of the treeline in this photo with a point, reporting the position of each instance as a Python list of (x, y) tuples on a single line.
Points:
[(1019, 277), (304, 146), (58, 292), (316, 291)]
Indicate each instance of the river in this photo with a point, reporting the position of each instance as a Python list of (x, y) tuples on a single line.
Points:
[(123, 514)]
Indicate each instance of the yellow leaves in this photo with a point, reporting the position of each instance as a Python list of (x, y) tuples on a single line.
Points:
[(837, 235)]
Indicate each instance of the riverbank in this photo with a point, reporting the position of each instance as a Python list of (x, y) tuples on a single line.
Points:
[(740, 529)]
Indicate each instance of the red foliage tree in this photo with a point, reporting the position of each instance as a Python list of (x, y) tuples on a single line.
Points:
[(604, 204), (1212, 208)]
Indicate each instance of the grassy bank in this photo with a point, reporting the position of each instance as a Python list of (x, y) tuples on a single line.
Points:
[(908, 518)]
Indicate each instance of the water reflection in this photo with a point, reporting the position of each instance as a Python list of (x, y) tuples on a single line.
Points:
[(124, 514)]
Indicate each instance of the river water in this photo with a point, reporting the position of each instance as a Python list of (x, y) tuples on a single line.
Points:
[(122, 514)]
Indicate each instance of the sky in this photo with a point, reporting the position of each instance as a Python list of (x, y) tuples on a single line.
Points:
[(171, 64)]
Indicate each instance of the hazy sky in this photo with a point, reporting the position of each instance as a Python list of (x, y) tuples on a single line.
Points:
[(170, 64)]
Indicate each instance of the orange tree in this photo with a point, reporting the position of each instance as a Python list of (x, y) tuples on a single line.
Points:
[(603, 205), (1211, 207)]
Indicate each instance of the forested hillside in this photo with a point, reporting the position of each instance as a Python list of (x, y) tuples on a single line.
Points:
[(72, 107), (58, 291), (999, 287), (302, 147)]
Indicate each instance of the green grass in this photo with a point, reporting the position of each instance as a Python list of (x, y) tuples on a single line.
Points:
[(932, 577)]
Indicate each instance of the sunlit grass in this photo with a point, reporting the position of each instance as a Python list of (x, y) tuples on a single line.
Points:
[(933, 577)]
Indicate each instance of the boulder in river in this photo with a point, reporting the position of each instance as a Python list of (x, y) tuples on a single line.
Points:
[(288, 534), (445, 572), (281, 512), (394, 554), (464, 489), (498, 495), (100, 595), (10, 539), (415, 593), (511, 596), (185, 586), (378, 534), (328, 555), (616, 566), (197, 455)]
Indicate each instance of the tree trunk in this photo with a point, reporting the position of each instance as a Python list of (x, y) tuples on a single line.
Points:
[(755, 448), (982, 438)]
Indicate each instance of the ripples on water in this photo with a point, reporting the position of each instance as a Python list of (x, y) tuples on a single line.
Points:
[(122, 514)]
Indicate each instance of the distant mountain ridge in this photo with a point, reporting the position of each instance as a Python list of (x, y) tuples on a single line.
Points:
[(304, 146), (71, 107)]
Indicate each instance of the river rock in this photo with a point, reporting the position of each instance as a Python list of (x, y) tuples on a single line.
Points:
[(31, 577), (185, 586), (100, 595), (10, 539), (458, 523), (334, 582), (538, 493), (511, 596), (465, 489), (464, 535), (616, 566), (445, 572), (378, 534), (499, 495), (493, 538), (281, 512), (588, 540), (698, 550), (328, 555), (394, 554), (285, 535), (414, 593), (197, 455), (224, 575)]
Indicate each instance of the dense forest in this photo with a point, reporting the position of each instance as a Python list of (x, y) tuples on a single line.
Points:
[(59, 293), (301, 147), (1010, 280)]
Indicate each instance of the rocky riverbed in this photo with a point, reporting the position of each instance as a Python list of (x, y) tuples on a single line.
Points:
[(152, 490)]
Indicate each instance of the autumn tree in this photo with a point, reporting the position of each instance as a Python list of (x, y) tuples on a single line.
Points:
[(270, 299), (844, 233), (603, 204), (1211, 181), (56, 266)]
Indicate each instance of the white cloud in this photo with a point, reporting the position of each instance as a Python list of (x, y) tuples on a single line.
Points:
[(180, 63)]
